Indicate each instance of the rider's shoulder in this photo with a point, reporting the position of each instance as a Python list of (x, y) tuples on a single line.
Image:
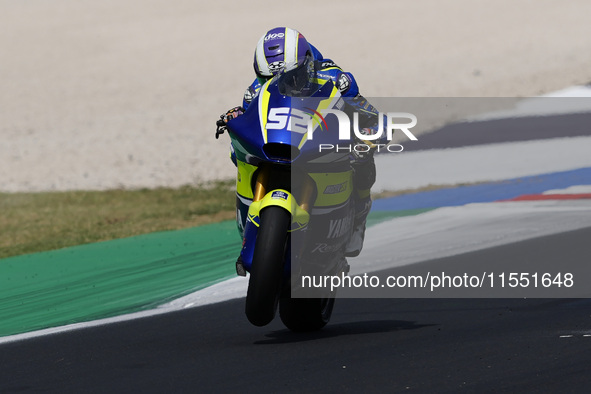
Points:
[(251, 92), (327, 70), (329, 66), (344, 81)]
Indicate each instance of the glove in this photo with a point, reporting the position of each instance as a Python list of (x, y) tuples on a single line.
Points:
[(361, 154), (232, 114), (224, 118), (368, 131)]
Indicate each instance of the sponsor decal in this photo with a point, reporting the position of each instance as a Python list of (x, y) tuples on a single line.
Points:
[(327, 64), (274, 35), (276, 66), (334, 189), (339, 227), (325, 248), (278, 194), (343, 82)]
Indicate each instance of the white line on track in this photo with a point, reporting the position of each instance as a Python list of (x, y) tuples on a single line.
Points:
[(576, 99), (440, 233), (402, 241), (482, 163)]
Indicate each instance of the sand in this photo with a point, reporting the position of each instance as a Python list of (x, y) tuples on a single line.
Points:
[(110, 94)]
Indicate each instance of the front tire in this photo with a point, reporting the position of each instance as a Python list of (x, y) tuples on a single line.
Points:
[(266, 274)]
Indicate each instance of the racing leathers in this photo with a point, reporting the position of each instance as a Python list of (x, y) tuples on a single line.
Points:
[(363, 163)]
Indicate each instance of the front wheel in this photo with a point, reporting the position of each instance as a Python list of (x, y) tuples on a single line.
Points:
[(266, 274)]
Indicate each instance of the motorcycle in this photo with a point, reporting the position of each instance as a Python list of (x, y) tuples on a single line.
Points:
[(294, 203)]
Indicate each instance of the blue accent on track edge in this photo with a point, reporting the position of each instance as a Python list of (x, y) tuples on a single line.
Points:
[(485, 192)]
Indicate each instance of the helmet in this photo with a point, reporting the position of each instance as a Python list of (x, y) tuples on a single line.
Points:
[(280, 49)]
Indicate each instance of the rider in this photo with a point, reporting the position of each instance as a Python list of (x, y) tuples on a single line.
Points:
[(285, 50)]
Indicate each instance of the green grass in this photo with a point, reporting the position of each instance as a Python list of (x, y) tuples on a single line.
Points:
[(35, 222)]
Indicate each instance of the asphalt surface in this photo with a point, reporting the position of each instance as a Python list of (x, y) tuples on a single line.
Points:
[(371, 345), (504, 130)]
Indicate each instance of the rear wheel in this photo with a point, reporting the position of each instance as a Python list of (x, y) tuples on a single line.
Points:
[(266, 274), (306, 314)]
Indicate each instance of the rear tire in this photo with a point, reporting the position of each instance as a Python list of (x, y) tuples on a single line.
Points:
[(306, 314), (266, 274)]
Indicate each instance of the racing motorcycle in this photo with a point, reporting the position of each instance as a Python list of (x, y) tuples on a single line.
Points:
[(294, 202)]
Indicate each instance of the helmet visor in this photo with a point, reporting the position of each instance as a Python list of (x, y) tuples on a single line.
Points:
[(298, 81)]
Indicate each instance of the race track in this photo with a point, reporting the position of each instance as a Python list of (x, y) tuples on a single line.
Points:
[(370, 345), (396, 345)]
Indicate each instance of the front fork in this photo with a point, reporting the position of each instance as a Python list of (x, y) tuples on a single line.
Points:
[(266, 195)]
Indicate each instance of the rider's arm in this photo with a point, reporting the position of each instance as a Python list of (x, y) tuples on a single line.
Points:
[(368, 114)]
